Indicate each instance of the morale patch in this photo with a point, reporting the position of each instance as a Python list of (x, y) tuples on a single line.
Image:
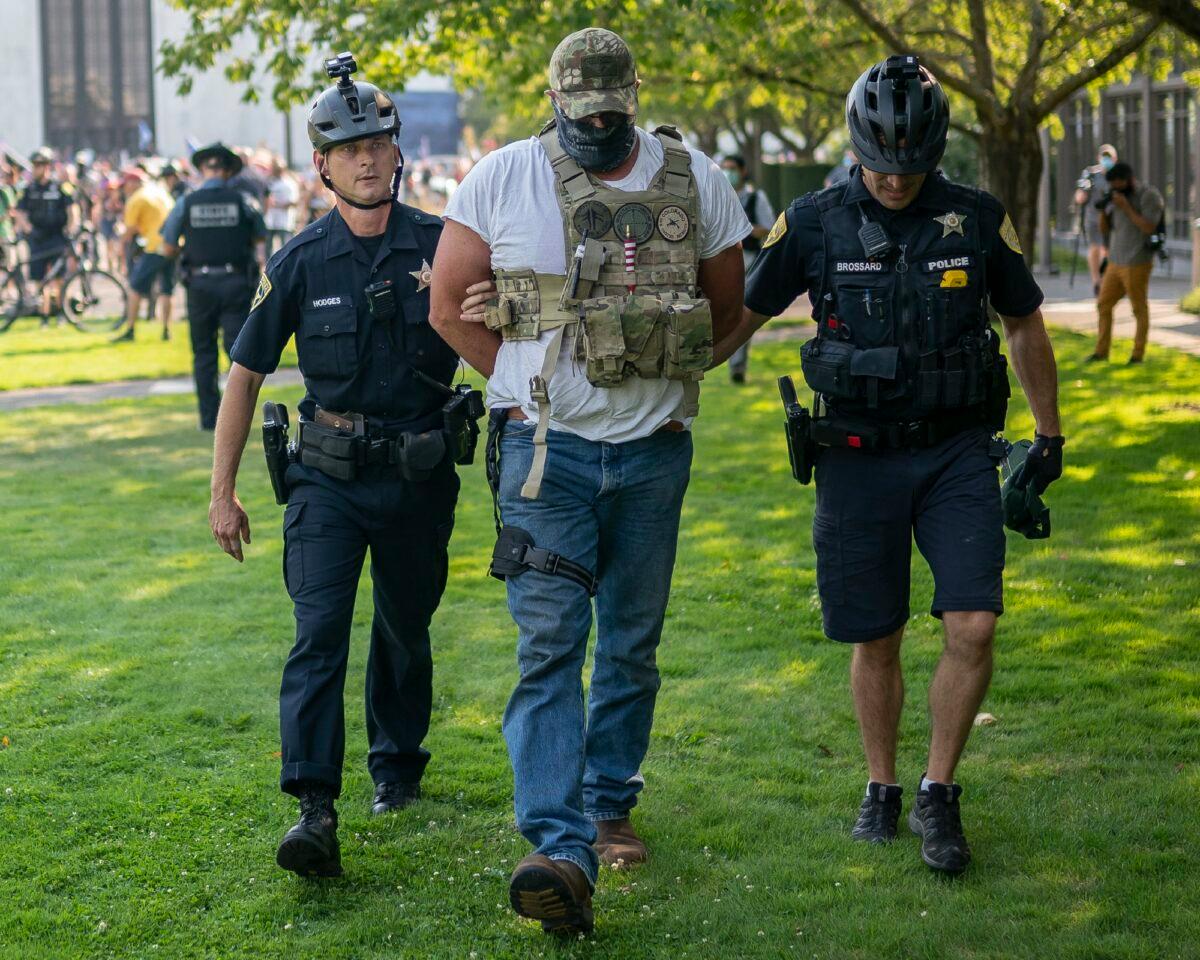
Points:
[(948, 263), (859, 266), (634, 221), (777, 231), (1008, 233), (264, 288), (951, 223), (673, 223), (592, 218), (327, 302), (954, 278)]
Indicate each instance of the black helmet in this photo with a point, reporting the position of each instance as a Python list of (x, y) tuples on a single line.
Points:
[(350, 111), (898, 100), (221, 153), (353, 111)]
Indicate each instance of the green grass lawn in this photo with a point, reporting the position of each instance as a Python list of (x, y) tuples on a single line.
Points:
[(57, 356), (139, 669)]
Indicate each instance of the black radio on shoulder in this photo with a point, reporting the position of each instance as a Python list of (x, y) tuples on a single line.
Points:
[(381, 301)]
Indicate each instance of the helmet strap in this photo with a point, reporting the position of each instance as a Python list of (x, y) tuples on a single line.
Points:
[(397, 177)]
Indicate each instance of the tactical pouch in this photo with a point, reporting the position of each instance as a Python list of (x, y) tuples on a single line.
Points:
[(603, 341), (515, 553), (419, 454), (640, 318), (516, 309), (688, 350), (826, 367)]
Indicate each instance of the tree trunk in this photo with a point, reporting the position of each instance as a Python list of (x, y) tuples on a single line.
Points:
[(1011, 166)]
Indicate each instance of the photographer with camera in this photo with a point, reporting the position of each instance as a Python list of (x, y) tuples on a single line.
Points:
[(1131, 217), (1089, 188)]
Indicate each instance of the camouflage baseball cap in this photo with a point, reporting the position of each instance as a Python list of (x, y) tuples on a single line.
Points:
[(592, 71)]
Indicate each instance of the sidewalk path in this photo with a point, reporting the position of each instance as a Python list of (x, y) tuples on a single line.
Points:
[(1064, 307)]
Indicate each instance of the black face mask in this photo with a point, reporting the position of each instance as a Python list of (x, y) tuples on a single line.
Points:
[(598, 149)]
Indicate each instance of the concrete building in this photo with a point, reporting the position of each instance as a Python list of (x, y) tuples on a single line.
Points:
[(83, 74)]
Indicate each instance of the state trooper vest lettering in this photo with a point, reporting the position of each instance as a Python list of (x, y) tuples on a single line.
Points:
[(216, 229), (906, 335)]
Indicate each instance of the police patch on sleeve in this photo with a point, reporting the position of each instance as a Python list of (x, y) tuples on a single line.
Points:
[(1008, 233), (261, 294), (777, 231)]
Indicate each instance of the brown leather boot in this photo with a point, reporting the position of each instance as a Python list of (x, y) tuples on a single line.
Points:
[(618, 845), (555, 892)]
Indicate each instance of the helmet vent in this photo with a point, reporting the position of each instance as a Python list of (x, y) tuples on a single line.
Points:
[(325, 125)]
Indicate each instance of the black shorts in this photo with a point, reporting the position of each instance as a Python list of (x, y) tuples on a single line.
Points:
[(150, 267), (43, 251), (870, 505)]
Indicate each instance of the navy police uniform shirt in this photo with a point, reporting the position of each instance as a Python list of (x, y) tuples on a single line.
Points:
[(313, 288), (792, 260)]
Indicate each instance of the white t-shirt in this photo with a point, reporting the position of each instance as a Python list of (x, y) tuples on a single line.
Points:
[(509, 199), (281, 212)]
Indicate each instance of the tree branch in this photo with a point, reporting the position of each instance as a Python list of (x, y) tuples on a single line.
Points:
[(980, 48), (1026, 82), (757, 73), (984, 100), (1049, 103), (1183, 14)]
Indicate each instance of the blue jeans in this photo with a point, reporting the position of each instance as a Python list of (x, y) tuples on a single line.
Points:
[(614, 508)]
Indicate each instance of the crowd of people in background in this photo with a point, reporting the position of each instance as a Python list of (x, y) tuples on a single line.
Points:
[(124, 201)]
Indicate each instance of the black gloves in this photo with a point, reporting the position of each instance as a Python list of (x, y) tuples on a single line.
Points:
[(1043, 465)]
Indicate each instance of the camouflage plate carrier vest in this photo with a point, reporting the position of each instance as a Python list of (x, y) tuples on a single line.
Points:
[(645, 322)]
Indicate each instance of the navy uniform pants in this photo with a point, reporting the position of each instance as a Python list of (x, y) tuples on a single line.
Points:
[(215, 303), (328, 528)]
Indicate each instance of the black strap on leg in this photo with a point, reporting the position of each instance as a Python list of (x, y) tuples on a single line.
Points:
[(491, 459), (515, 553)]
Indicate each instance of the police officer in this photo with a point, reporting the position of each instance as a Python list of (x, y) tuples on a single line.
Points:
[(220, 229), (901, 265), (374, 468), (46, 213)]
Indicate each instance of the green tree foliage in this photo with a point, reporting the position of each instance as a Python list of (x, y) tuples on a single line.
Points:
[(710, 65)]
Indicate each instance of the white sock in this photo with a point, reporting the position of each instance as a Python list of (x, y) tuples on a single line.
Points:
[(925, 782), (869, 782)]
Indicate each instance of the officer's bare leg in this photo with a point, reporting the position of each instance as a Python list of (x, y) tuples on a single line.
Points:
[(958, 687), (877, 685)]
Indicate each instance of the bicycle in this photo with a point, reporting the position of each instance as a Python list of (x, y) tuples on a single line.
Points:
[(91, 300)]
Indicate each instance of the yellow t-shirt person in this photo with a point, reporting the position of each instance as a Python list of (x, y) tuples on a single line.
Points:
[(146, 211)]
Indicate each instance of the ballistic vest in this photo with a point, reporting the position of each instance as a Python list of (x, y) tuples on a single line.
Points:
[(629, 302), (906, 334), (216, 228)]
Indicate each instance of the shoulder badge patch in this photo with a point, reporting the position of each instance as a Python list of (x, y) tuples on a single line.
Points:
[(1008, 233), (261, 294), (777, 231)]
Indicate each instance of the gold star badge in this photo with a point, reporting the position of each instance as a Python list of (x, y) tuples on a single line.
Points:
[(951, 223), (424, 276)]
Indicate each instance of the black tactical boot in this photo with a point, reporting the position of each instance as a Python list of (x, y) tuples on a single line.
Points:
[(310, 848), (935, 819), (394, 796), (878, 814)]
